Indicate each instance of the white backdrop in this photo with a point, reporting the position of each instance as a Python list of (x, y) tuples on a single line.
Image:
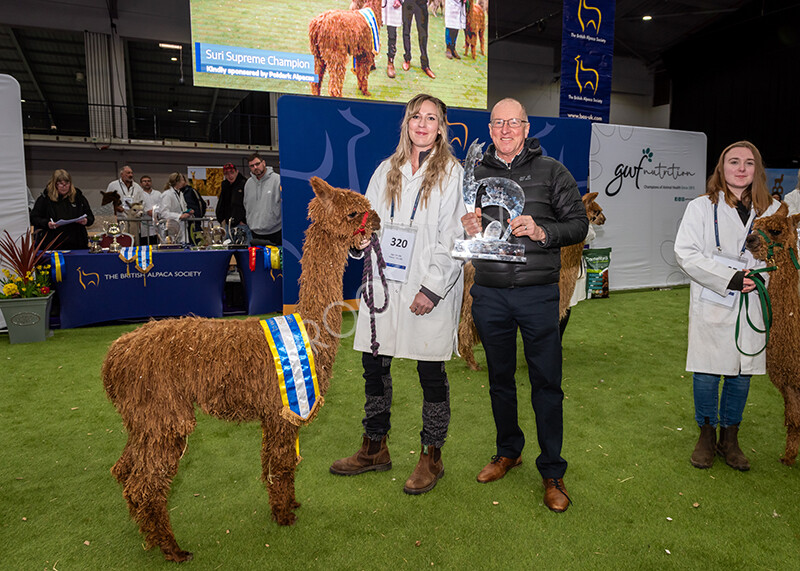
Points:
[(13, 193), (644, 178)]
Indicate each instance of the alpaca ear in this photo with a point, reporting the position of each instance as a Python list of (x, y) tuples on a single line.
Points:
[(783, 210), (589, 197), (322, 189), (795, 220)]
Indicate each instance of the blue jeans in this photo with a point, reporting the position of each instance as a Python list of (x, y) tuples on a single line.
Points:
[(731, 406)]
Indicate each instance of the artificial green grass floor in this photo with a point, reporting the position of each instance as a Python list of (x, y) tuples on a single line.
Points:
[(638, 503)]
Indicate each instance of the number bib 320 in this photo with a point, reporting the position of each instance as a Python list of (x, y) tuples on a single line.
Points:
[(397, 244)]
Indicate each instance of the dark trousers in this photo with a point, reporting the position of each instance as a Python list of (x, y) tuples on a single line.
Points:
[(391, 42), (498, 313), (417, 9), (378, 401)]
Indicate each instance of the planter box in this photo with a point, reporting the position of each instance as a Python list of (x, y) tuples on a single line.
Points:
[(27, 319)]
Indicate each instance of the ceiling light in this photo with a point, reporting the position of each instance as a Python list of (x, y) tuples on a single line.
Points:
[(647, 18), (169, 110), (170, 46), (173, 59), (22, 101)]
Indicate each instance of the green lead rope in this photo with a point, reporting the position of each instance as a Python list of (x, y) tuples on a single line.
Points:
[(763, 297)]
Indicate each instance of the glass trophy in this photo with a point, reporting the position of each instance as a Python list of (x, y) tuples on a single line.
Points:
[(492, 243)]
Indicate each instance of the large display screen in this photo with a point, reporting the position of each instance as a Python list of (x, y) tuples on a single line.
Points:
[(286, 47)]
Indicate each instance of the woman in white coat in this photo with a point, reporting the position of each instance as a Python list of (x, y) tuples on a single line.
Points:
[(455, 19), (417, 193), (173, 205), (710, 248)]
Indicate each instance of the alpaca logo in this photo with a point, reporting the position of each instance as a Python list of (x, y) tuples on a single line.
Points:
[(456, 139), (584, 76), (591, 10), (91, 278)]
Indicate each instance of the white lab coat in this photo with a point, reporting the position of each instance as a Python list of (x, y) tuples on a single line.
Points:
[(173, 204), (712, 344), (455, 14), (430, 337), (152, 201), (127, 195), (392, 16)]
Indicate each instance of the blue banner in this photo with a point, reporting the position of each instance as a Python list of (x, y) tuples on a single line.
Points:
[(343, 142), (587, 51)]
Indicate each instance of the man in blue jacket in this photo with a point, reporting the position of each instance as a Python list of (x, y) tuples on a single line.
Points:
[(509, 296)]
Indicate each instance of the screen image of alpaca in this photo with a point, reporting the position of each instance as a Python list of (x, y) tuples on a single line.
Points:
[(338, 48)]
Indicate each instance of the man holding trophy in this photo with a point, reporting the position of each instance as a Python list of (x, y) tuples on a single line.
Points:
[(523, 293)]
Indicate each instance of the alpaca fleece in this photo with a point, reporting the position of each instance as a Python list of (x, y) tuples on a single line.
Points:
[(476, 22), (783, 362), (156, 374), (336, 38)]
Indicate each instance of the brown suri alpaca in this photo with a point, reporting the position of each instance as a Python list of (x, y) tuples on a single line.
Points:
[(571, 256), (476, 22), (156, 374), (468, 334), (338, 36), (783, 362)]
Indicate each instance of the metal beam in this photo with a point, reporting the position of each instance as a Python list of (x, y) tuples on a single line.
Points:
[(13, 35), (211, 112)]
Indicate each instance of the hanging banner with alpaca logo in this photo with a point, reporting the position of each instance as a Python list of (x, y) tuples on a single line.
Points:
[(587, 52)]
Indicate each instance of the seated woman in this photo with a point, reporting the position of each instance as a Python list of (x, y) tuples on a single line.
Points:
[(173, 204), (60, 201)]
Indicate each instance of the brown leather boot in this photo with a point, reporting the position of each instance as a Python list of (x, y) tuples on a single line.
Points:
[(728, 448), (390, 69), (556, 497), (428, 471), (372, 456), (703, 455)]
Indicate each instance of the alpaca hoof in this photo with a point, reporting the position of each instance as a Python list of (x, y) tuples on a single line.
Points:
[(179, 556), (788, 461), (285, 519)]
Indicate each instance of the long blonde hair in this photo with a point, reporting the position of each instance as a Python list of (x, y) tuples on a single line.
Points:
[(439, 162), (60, 175), (756, 196)]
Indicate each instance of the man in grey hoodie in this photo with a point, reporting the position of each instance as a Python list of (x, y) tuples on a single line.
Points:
[(262, 200)]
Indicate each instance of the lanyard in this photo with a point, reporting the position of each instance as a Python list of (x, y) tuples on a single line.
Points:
[(413, 211), (716, 232)]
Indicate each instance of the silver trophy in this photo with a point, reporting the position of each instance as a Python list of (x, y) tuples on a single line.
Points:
[(493, 243)]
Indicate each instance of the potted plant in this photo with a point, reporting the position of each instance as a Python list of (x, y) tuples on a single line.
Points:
[(25, 292)]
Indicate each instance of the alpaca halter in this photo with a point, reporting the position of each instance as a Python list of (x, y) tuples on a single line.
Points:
[(763, 295), (363, 228)]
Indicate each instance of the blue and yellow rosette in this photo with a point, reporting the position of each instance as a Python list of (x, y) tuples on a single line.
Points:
[(294, 362)]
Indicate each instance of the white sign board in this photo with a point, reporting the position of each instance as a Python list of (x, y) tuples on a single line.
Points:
[(644, 178)]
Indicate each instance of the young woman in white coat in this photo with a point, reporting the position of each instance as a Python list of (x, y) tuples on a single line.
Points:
[(173, 205), (417, 193), (710, 248)]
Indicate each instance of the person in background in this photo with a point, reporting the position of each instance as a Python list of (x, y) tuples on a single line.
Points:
[(173, 206), (127, 188), (393, 19), (507, 297), (455, 19), (230, 207), (417, 194), (197, 206), (792, 199), (710, 248), (152, 200), (418, 11), (61, 200), (262, 201)]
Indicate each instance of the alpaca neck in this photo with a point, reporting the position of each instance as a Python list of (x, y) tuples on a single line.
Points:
[(785, 299), (319, 302)]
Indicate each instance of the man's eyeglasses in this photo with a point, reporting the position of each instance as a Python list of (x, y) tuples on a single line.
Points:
[(256, 164), (513, 123)]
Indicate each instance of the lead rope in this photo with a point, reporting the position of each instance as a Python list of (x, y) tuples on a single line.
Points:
[(369, 289), (763, 296)]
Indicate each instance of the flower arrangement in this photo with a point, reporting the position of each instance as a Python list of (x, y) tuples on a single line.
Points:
[(29, 275)]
